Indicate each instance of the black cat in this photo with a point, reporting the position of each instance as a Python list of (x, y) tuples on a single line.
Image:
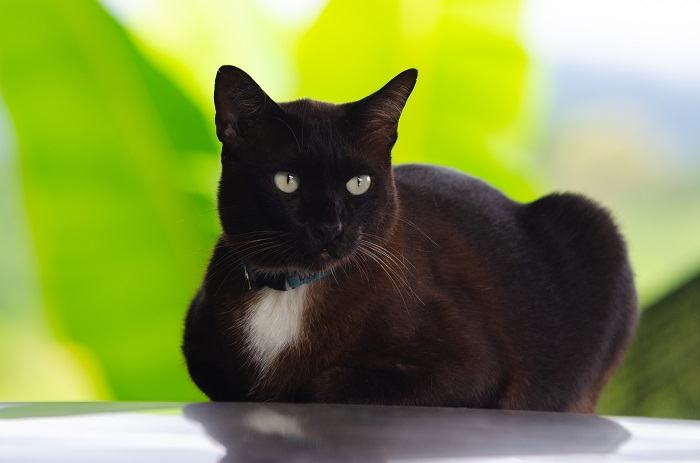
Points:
[(338, 278)]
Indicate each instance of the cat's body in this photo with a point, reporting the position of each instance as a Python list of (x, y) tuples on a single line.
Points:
[(460, 297)]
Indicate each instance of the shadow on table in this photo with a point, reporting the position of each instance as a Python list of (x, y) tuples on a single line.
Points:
[(304, 432)]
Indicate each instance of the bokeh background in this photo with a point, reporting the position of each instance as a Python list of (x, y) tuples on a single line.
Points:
[(109, 160)]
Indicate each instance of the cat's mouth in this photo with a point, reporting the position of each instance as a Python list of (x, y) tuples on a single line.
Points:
[(328, 258), (285, 256)]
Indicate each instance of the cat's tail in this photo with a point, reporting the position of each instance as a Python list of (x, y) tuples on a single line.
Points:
[(586, 256)]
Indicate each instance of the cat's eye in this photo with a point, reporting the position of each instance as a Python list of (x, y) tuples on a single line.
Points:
[(286, 181), (359, 184)]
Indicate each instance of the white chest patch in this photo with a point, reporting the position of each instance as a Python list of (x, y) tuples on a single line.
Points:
[(273, 321)]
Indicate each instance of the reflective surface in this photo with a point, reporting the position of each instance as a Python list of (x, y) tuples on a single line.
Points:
[(207, 432)]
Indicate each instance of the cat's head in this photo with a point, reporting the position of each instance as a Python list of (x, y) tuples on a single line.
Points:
[(303, 182)]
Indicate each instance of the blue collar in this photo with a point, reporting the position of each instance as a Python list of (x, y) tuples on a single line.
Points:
[(281, 281)]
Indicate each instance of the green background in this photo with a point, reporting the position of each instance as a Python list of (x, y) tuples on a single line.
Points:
[(109, 162)]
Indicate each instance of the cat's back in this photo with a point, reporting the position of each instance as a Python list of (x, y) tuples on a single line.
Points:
[(564, 235), (446, 186), (561, 262)]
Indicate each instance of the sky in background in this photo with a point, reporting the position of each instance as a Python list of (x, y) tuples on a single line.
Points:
[(645, 37), (622, 122)]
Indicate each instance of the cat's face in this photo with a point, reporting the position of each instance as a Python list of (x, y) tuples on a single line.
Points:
[(303, 182)]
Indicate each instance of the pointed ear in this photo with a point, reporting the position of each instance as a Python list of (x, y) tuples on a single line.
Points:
[(379, 113), (238, 101)]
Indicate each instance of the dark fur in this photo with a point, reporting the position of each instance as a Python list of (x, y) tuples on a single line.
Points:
[(504, 305)]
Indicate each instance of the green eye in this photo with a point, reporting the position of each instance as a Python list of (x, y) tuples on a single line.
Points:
[(358, 185), (286, 182)]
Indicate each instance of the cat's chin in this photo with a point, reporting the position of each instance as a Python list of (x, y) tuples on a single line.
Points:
[(325, 262), (314, 267)]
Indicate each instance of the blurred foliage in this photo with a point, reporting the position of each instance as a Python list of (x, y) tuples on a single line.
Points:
[(108, 151), (660, 375), (470, 114), (117, 168), (46, 409)]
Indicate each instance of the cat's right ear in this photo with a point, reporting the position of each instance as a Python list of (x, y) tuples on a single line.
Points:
[(379, 113), (239, 101)]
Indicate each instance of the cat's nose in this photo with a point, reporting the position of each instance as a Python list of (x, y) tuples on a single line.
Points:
[(327, 232)]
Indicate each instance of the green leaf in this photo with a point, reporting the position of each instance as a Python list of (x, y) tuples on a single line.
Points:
[(660, 376), (120, 222), (468, 108)]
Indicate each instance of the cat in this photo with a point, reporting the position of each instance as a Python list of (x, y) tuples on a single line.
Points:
[(339, 278)]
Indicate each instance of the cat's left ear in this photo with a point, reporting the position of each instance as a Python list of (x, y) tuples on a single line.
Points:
[(379, 113), (240, 104)]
